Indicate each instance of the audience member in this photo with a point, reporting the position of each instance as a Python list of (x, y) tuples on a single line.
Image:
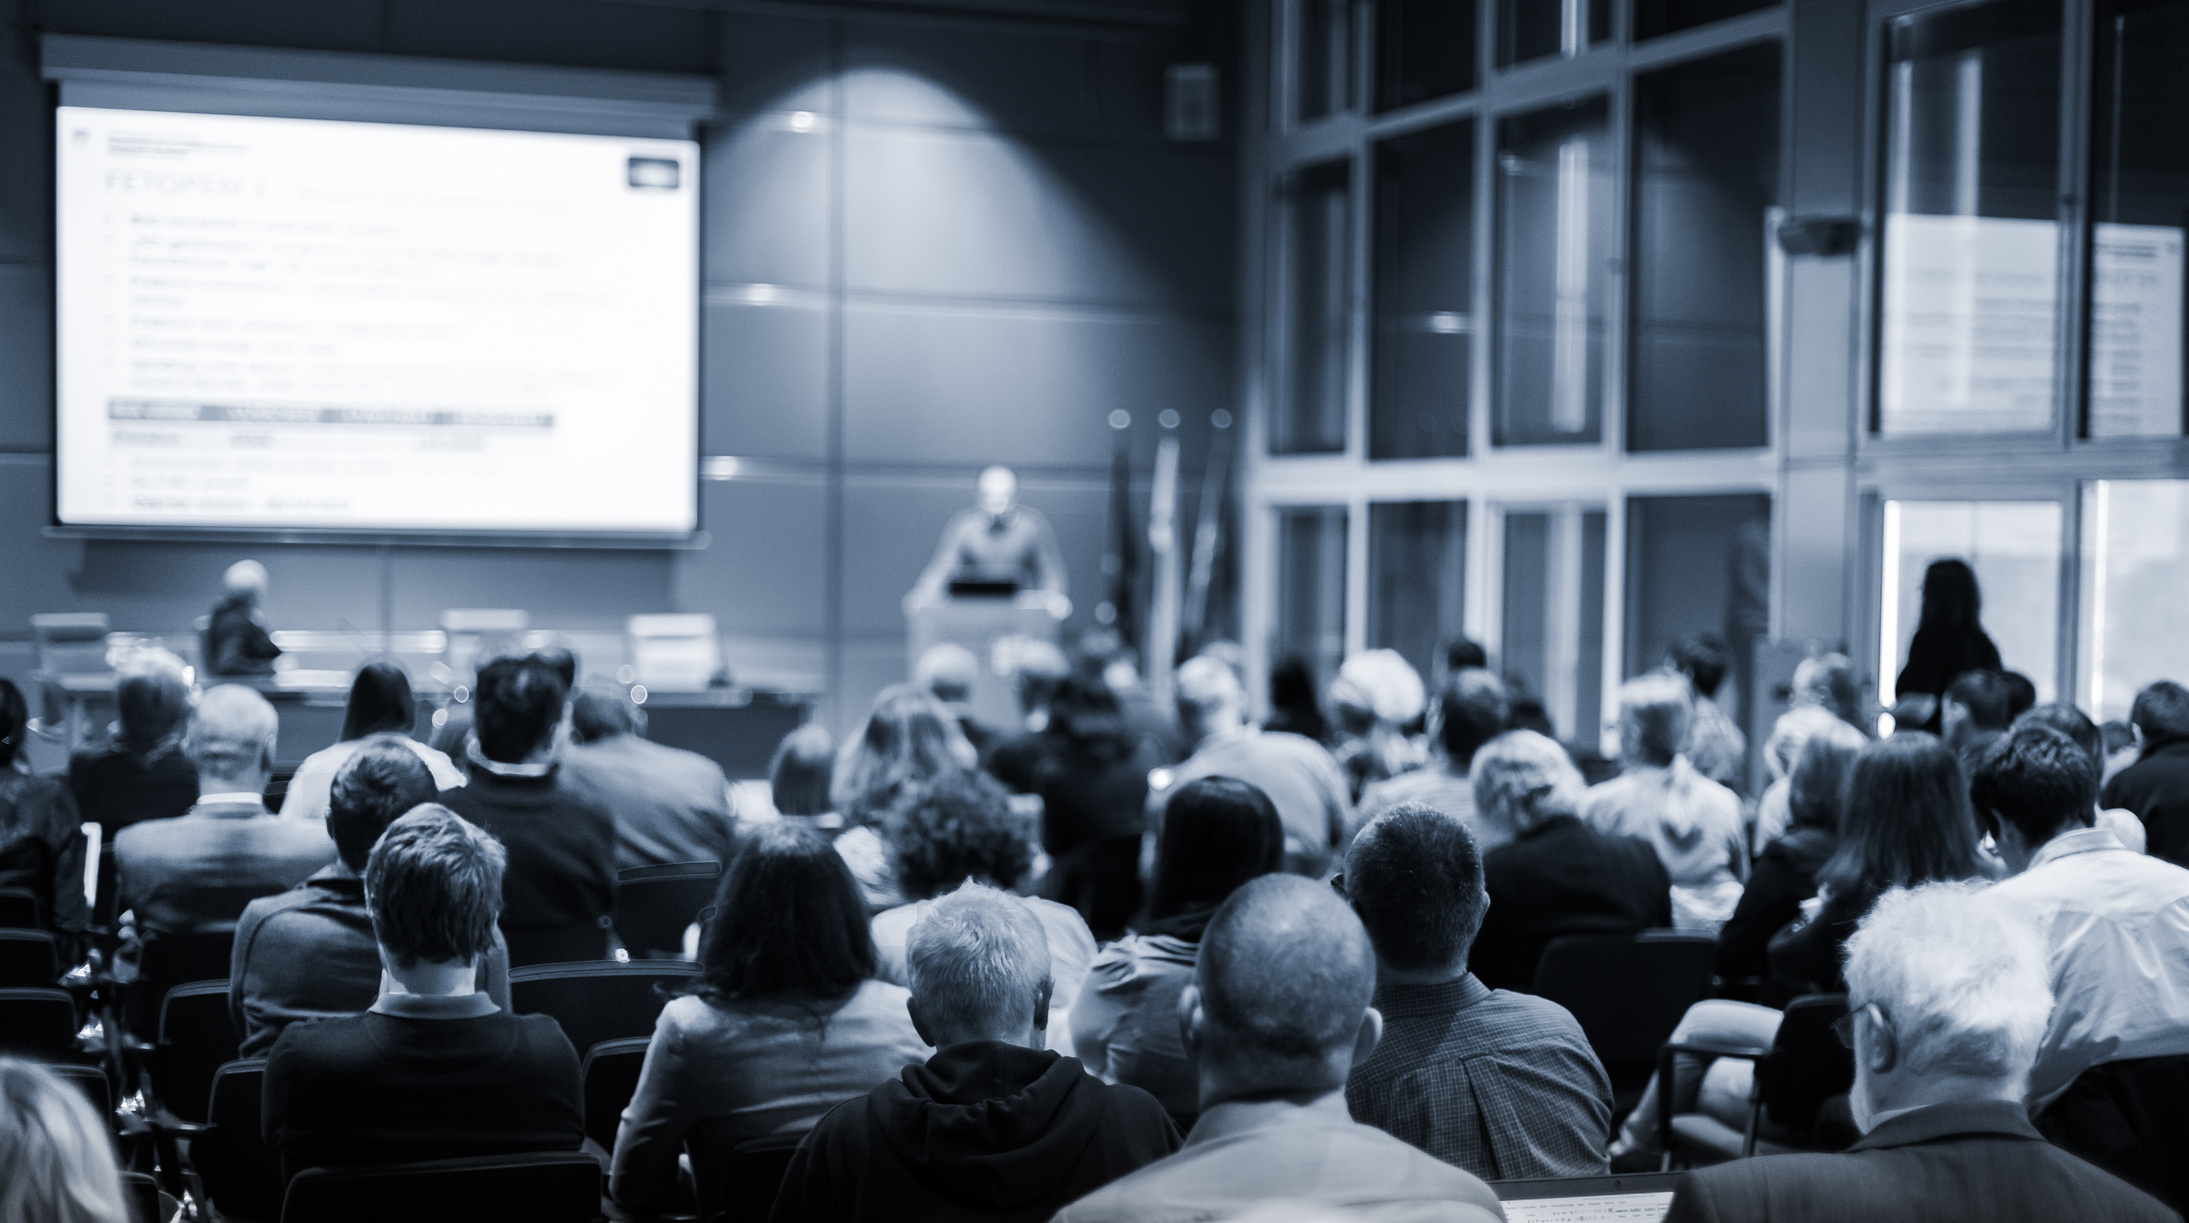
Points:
[(1949, 639), (1294, 706), (1471, 711), (1715, 746), (908, 739), (1037, 667), (948, 672), (1463, 653), (380, 705), (1376, 695), (41, 847), (957, 828), (1503, 1085), (309, 952), (1218, 833), (236, 640), (990, 1127), (1977, 709), (195, 872), (1693, 822), (1103, 653), (799, 775), (788, 1019), (1789, 734), (2156, 787), (55, 1147), (1828, 682), (1785, 873), (435, 1069), (1553, 874), (2115, 923), (669, 805), (1947, 987), (142, 774), (1276, 1019), (2021, 693), (1298, 776), (2120, 749), (2070, 721), (561, 843)]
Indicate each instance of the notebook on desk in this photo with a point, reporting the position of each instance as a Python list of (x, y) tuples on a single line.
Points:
[(1639, 1198)]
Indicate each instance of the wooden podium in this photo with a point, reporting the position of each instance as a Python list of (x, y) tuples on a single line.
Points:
[(993, 629)]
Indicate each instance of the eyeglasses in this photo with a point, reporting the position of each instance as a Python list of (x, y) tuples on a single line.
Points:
[(1337, 884), (1844, 1026)]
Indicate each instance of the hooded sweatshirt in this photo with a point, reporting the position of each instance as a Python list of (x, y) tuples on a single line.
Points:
[(983, 1130), (1694, 824)]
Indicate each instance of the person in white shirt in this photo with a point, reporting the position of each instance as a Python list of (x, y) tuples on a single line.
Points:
[(2116, 923), (1694, 823), (380, 704)]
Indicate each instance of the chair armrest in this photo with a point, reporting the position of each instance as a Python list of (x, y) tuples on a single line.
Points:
[(1665, 1058), (1706, 1049)]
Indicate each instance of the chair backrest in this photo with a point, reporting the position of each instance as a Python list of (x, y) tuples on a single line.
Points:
[(610, 1073), (169, 960), (28, 958), (2131, 1118), (19, 909), (196, 1038), (738, 1185), (577, 942), (1627, 991), (37, 1022), (142, 1195), (241, 1174), (92, 1081), (601, 1000), (654, 904), (1807, 1065), (545, 1188)]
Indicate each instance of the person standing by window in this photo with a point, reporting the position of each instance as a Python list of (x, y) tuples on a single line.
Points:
[(1949, 640)]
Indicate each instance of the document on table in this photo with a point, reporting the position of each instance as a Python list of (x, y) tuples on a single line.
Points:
[(1609, 1208)]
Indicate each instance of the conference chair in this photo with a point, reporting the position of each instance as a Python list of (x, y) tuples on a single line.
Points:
[(1805, 1066), (147, 1204), (29, 959), (19, 909), (2130, 1118), (610, 1074), (654, 904), (542, 1188), (196, 1038), (38, 1022), (240, 1173), (92, 1081), (165, 961), (738, 1184), (1628, 992), (599, 1000), (570, 944)]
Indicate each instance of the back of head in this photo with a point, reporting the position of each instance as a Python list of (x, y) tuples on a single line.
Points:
[(2037, 781), (2021, 694), (14, 718), (2161, 712), (1286, 973), (958, 826), (2062, 716), (948, 671), (1987, 696), (1206, 686), (1964, 979), (1703, 659), (1951, 601), (380, 701), (232, 731), (1816, 792), (1086, 712), (596, 715), (244, 579), (909, 737), (1218, 833), (1654, 715), (59, 1159), (1828, 682), (562, 661), (1414, 877), (519, 702), (1035, 674), (1522, 778), (384, 781), (798, 776), (1391, 686), (977, 960), (1472, 710), (788, 922), (1907, 819), (1790, 733), (1461, 653), (152, 698), (434, 888)]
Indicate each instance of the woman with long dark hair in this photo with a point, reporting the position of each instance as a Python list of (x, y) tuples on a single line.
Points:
[(1949, 640), (1217, 833), (909, 739), (380, 704), (786, 1021)]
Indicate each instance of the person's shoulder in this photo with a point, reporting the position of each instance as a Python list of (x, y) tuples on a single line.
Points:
[(151, 835), (1527, 1014), (324, 1040), (1055, 916), (877, 994), (546, 1039)]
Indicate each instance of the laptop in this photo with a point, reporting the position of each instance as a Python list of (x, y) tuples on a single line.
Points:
[(1643, 1197)]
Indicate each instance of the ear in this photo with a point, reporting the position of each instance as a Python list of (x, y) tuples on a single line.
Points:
[(1041, 1004), (1883, 1052), (919, 1022), (1191, 1020), (1371, 1032)]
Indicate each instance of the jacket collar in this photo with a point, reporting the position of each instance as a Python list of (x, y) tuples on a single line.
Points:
[(1998, 1117), (2080, 841), (428, 1006), (1246, 1114)]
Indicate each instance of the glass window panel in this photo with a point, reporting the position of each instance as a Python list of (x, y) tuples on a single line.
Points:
[(1325, 50), (1424, 49), (1417, 576), (1311, 588), (1551, 638), (1319, 261), (1554, 242), (1654, 17), (2014, 547), (2139, 196), (1971, 250), (1424, 320), (2135, 564), (1701, 565), (1707, 154), (1532, 29)]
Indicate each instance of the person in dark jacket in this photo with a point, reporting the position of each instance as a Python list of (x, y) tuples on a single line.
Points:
[(236, 640), (992, 1127), (1949, 640), (1785, 873), (1556, 875), (2156, 787), (40, 849), (142, 774)]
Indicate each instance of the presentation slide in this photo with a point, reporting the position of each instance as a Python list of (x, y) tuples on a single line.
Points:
[(303, 324)]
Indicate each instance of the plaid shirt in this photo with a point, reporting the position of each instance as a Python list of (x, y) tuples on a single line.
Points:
[(1501, 1084)]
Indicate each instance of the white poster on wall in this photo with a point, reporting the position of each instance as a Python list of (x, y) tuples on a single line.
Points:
[(2135, 330), (1966, 344)]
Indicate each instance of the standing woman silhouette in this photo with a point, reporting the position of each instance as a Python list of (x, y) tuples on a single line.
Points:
[(1948, 641)]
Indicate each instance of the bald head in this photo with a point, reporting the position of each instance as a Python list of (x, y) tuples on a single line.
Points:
[(1282, 991), (245, 578), (231, 740)]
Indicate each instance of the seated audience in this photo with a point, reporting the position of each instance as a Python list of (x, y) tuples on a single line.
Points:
[(435, 1069), (787, 1020), (1036, 669), (1715, 746), (2070, 721), (1828, 682), (41, 842), (670, 805), (1103, 653), (1553, 874), (1471, 711), (908, 739), (309, 952), (55, 1147), (2156, 787), (1294, 707), (142, 774), (1947, 987), (561, 842), (1976, 710), (2115, 923), (1376, 694), (1217, 834), (1298, 776), (990, 1127), (2021, 694), (380, 704), (1276, 1018), (957, 828), (799, 776), (1780, 753), (195, 872), (948, 672), (1785, 873), (1460, 1063), (1693, 822)]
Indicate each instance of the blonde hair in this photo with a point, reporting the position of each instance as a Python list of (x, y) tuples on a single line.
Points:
[(1522, 778), (59, 1160)]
